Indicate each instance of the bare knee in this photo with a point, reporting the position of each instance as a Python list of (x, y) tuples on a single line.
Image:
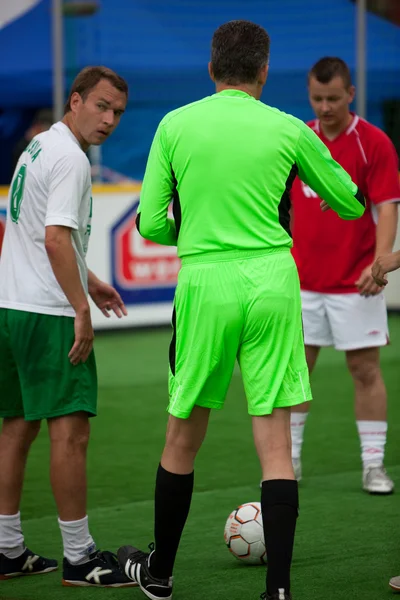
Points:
[(70, 430), (181, 443), (187, 435), (364, 367), (19, 432)]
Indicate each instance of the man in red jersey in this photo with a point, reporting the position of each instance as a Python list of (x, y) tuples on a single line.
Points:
[(342, 304)]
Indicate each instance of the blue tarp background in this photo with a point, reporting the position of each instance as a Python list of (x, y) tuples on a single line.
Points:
[(162, 49)]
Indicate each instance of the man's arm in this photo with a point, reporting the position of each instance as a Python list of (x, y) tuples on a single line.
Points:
[(326, 177), (386, 228), (67, 182), (62, 258), (159, 186), (383, 190)]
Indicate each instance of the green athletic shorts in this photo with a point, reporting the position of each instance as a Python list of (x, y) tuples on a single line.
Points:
[(244, 306), (37, 380)]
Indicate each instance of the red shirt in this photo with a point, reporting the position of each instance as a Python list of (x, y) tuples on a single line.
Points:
[(331, 253)]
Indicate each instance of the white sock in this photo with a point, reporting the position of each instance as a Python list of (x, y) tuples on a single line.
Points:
[(11, 538), (77, 541), (297, 422), (372, 439)]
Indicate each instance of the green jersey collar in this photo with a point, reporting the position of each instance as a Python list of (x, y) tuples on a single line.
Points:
[(235, 93)]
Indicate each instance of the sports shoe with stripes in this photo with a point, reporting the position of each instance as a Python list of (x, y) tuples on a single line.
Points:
[(26, 564), (136, 565), (102, 570)]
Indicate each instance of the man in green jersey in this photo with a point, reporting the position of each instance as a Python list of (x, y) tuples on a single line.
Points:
[(228, 162)]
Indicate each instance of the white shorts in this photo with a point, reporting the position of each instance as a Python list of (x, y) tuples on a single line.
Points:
[(345, 321)]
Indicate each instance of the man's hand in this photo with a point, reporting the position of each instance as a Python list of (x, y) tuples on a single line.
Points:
[(83, 337), (366, 284), (385, 264), (107, 298)]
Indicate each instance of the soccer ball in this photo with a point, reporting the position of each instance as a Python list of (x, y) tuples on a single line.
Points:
[(244, 534)]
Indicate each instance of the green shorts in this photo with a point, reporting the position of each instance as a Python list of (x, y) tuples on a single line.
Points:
[(244, 306), (36, 377)]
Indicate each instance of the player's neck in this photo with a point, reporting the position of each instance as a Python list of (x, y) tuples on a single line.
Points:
[(333, 132), (248, 88), (69, 122)]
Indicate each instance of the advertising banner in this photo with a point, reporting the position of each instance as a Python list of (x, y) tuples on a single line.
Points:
[(144, 273)]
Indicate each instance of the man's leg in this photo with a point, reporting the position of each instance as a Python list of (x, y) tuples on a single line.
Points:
[(83, 566), (279, 497), (174, 487), (299, 415), (69, 438), (276, 379), (173, 495), (16, 438), (317, 333), (207, 322), (370, 412)]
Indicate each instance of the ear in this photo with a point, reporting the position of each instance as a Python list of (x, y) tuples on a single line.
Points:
[(211, 71), (352, 93), (262, 77), (76, 101)]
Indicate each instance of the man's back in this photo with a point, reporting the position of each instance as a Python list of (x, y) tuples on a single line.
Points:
[(233, 160), (369, 157)]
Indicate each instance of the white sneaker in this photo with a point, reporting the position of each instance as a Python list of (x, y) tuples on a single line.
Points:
[(395, 583), (376, 480), (297, 468)]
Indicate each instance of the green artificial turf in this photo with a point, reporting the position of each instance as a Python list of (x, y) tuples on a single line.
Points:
[(347, 545)]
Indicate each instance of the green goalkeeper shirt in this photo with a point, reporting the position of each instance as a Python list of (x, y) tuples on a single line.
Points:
[(227, 162)]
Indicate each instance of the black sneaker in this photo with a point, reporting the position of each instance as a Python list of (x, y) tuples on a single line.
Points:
[(26, 564), (102, 570), (280, 595), (136, 565)]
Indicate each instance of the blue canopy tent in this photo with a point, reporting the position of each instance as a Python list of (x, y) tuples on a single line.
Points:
[(162, 49)]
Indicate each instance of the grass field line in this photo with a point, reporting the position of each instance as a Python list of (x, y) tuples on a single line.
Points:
[(394, 470)]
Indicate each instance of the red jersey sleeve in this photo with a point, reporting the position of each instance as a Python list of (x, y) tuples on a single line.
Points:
[(383, 182)]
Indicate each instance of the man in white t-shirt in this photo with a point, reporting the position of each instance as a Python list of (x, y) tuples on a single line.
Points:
[(47, 365)]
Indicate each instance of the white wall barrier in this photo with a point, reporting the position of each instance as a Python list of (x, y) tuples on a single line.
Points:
[(143, 273)]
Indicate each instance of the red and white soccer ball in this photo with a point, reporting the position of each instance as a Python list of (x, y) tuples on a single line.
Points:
[(244, 534)]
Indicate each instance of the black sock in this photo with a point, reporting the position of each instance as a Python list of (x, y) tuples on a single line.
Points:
[(172, 503), (279, 505)]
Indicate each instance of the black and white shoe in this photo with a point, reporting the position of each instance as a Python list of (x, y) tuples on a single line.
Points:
[(136, 565), (279, 595), (102, 570), (26, 564)]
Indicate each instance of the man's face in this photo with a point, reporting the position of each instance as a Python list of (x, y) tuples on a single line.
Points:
[(330, 101), (98, 116)]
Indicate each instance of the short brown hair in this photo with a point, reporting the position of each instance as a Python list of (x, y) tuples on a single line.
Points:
[(239, 50), (329, 67), (89, 77)]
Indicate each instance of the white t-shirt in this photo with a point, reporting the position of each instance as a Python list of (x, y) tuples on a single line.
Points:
[(51, 186)]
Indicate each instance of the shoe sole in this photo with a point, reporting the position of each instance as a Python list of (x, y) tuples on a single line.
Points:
[(394, 588), (69, 583), (15, 575), (378, 493)]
